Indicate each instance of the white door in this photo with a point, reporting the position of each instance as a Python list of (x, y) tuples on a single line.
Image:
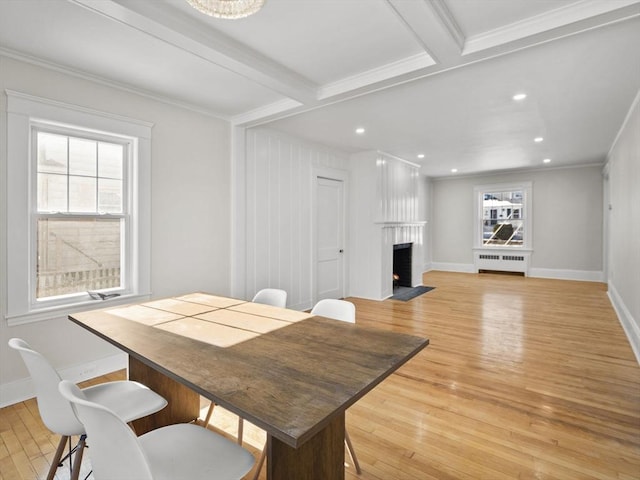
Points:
[(329, 238)]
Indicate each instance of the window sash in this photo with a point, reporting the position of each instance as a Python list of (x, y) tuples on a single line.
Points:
[(518, 215), (68, 266), (67, 275)]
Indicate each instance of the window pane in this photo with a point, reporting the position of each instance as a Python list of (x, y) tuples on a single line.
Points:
[(109, 195), (110, 160), (52, 153), (82, 194), (52, 192), (82, 157), (77, 255), (502, 218)]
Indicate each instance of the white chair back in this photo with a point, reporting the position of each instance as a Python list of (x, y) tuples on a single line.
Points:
[(115, 451), (55, 411), (336, 309), (271, 296)]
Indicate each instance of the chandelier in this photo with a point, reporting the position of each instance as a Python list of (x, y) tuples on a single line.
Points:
[(227, 8)]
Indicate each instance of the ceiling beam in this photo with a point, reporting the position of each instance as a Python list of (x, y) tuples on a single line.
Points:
[(433, 27), (189, 35)]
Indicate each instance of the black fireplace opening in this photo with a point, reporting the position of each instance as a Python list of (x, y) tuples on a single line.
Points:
[(402, 264)]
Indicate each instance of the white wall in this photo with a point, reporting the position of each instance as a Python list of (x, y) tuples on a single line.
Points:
[(190, 240), (279, 185), (567, 221), (623, 170)]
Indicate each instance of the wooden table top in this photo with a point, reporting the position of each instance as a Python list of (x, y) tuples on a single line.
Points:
[(283, 370)]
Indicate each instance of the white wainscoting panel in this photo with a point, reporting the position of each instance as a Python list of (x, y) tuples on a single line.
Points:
[(279, 180)]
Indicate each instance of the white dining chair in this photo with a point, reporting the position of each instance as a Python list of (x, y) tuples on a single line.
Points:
[(179, 451), (130, 400), (336, 309), (271, 296), (275, 297)]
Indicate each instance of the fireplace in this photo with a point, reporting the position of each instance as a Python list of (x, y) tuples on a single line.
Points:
[(402, 260)]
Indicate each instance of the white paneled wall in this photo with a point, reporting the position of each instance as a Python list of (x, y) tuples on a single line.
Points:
[(384, 207), (279, 181), (398, 190)]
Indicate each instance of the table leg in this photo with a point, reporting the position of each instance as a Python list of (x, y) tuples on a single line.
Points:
[(320, 458), (184, 403)]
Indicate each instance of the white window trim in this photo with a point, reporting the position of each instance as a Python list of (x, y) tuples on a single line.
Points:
[(22, 111), (526, 188)]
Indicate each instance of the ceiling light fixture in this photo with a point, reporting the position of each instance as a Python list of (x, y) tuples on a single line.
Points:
[(538, 139), (227, 8), (546, 160), (454, 170), (360, 130), (520, 96), (421, 155)]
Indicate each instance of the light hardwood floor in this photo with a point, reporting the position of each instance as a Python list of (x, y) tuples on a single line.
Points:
[(524, 379)]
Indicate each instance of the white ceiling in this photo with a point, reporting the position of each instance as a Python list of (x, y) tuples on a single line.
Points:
[(422, 76)]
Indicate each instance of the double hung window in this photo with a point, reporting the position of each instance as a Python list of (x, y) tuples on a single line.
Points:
[(78, 208), (81, 212), (503, 216)]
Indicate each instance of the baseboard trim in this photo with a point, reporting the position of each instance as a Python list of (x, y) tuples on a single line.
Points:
[(22, 389), (454, 267), (580, 275), (629, 324)]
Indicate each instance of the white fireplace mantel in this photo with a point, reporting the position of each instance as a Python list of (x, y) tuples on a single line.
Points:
[(384, 209)]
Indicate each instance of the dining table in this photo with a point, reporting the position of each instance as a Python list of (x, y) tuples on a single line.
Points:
[(286, 371)]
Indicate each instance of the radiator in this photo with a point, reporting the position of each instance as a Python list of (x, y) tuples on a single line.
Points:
[(502, 262)]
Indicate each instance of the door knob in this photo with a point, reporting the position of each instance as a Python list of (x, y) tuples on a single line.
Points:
[(341, 251)]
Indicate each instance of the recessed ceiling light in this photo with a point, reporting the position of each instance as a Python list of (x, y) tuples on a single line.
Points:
[(421, 155), (454, 170), (546, 160), (360, 130), (538, 139), (520, 96)]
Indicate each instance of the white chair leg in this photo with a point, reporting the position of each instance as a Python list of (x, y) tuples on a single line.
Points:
[(352, 453)]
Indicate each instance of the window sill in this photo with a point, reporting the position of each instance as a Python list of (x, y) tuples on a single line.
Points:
[(59, 311)]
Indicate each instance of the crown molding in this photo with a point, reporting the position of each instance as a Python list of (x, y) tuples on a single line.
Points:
[(507, 171), (560, 17), (39, 62), (24, 101)]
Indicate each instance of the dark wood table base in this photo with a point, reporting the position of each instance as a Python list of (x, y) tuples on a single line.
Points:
[(320, 458), (184, 403)]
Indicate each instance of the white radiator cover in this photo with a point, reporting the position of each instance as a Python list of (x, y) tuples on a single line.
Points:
[(502, 260)]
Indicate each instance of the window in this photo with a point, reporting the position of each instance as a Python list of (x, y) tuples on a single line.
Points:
[(503, 216), (80, 216), (78, 209)]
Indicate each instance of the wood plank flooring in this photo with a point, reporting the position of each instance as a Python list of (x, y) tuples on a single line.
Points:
[(523, 379)]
